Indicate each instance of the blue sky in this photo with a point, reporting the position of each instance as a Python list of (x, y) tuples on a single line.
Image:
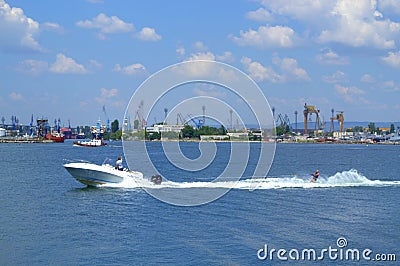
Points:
[(68, 59)]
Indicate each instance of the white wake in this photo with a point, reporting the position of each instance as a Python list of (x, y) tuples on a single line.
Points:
[(349, 178)]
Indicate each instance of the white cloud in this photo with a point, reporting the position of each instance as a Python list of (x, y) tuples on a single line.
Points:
[(260, 14), (226, 57), (94, 64), (130, 70), (336, 77), (391, 86), (392, 59), (148, 34), (210, 90), (33, 67), (305, 10), (259, 72), (51, 26), (327, 56), (267, 36), (388, 84), (202, 56), (106, 94), (391, 6), (378, 14), (350, 94), (367, 78), (200, 46), (106, 25), (64, 65), (202, 69), (180, 51), (290, 68), (358, 24), (17, 31), (16, 96)]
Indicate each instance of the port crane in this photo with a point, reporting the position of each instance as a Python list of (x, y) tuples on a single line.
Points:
[(198, 123), (339, 117), (284, 122), (189, 118), (179, 118), (309, 110), (139, 117), (108, 119)]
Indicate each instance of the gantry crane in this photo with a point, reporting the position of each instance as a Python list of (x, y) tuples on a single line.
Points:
[(284, 122), (139, 117), (310, 109), (198, 123), (339, 117), (179, 118)]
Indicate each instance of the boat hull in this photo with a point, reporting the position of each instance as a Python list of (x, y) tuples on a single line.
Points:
[(91, 143), (96, 175), (55, 137)]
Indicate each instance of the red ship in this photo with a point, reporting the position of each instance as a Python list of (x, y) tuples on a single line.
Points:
[(55, 137)]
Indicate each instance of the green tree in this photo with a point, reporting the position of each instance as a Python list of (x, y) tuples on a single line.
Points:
[(392, 130), (187, 132), (136, 124), (114, 126), (170, 135), (118, 134), (371, 127), (279, 131), (222, 130), (206, 130), (358, 129), (154, 136)]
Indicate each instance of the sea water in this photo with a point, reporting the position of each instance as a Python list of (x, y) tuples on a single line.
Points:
[(47, 217)]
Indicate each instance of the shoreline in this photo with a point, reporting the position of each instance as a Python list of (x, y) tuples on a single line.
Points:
[(278, 142), (20, 141), (26, 141)]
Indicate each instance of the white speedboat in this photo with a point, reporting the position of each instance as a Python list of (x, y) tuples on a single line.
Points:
[(90, 143), (96, 175)]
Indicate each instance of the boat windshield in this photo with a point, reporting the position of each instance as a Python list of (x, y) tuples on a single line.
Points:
[(109, 161)]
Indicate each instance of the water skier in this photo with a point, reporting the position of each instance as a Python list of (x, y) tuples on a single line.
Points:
[(118, 164), (315, 176)]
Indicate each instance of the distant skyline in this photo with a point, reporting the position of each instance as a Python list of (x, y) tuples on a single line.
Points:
[(69, 59)]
